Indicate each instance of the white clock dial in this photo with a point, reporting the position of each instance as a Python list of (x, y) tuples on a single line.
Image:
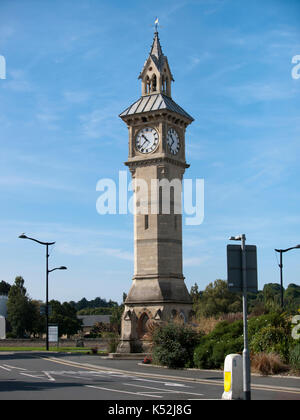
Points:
[(173, 141), (146, 140)]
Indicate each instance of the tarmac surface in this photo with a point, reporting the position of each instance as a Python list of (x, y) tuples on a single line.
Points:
[(56, 376)]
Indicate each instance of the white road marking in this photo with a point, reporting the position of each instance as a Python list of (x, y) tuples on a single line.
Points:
[(123, 392), (172, 384), (13, 367), (2, 367), (164, 390), (33, 376), (49, 376), (162, 382)]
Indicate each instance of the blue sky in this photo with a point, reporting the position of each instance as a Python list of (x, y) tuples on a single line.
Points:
[(72, 67)]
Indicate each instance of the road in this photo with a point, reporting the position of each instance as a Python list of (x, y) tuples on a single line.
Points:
[(50, 376)]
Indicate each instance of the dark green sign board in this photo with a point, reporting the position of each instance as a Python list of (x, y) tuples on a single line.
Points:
[(234, 268)]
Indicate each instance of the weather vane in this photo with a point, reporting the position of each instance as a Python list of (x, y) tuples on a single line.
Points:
[(156, 24)]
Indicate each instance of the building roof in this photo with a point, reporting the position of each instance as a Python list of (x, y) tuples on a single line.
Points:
[(154, 102), (91, 320), (157, 56)]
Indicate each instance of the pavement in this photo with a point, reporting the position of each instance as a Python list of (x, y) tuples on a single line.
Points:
[(47, 375)]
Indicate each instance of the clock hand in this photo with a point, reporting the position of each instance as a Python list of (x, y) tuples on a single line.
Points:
[(145, 140)]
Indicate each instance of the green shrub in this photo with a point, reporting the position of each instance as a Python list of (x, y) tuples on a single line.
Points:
[(269, 333), (274, 319), (271, 339), (174, 345), (212, 349), (203, 355), (294, 358)]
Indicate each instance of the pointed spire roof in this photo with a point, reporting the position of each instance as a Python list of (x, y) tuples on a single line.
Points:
[(156, 55), (156, 47)]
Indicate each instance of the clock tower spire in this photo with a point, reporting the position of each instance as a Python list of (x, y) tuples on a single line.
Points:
[(156, 75), (156, 157)]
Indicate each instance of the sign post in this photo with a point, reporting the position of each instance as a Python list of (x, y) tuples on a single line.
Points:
[(53, 334), (242, 277), (246, 354)]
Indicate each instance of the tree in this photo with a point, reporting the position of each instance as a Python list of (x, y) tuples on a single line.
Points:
[(217, 299), (195, 293), (116, 318), (4, 288), (292, 297), (64, 315), (21, 311), (271, 293), (116, 314)]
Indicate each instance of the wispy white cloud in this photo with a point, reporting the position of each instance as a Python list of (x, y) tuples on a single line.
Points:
[(195, 261), (6, 32), (259, 92), (48, 119), (99, 122), (18, 181), (195, 60), (89, 249), (16, 80), (76, 97)]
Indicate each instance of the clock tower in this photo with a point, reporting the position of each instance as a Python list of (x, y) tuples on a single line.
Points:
[(156, 160)]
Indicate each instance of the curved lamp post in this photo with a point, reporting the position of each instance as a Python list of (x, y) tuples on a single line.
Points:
[(281, 251), (23, 236)]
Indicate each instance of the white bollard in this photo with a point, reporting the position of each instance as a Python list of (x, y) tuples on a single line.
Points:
[(233, 377), (2, 328)]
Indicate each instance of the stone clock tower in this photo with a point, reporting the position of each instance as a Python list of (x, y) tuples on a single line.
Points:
[(157, 128)]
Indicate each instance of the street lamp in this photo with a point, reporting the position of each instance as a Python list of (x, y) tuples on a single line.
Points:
[(23, 236), (281, 251)]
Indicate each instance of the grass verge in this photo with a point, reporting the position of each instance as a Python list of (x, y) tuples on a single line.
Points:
[(56, 349)]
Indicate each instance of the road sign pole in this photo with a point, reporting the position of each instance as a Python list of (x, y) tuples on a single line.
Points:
[(246, 355)]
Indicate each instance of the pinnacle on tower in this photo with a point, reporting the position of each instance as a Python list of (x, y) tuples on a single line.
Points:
[(156, 47)]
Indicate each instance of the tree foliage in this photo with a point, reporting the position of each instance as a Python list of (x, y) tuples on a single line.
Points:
[(174, 345), (91, 304), (217, 299), (64, 315), (22, 312), (4, 288)]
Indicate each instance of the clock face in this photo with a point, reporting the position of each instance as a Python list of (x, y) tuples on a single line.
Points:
[(173, 141), (147, 140)]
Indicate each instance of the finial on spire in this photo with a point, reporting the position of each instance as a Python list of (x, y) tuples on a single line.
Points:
[(156, 23)]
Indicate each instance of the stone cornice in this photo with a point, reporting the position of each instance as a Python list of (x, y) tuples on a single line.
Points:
[(157, 276), (155, 161)]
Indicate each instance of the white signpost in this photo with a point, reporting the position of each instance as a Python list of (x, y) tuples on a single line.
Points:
[(53, 333), (2, 328)]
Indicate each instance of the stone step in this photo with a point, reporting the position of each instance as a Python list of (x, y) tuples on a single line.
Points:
[(128, 356)]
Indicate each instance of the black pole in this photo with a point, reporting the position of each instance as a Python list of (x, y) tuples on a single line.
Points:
[(281, 279), (281, 270), (47, 313), (246, 354), (23, 236)]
